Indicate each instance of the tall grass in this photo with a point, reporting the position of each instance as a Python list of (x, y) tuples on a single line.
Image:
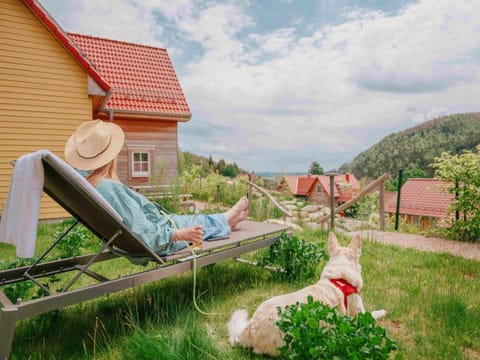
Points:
[(431, 300)]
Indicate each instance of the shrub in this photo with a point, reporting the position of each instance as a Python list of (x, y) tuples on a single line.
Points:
[(339, 337), (77, 239), (461, 173), (19, 290), (297, 258)]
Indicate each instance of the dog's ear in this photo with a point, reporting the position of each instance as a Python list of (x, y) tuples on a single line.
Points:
[(332, 243), (356, 245)]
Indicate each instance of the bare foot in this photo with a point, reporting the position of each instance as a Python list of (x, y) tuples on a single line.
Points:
[(238, 219), (241, 204), (236, 209)]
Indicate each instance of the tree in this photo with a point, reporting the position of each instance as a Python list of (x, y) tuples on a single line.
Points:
[(230, 171), (462, 172), (221, 166), (315, 169)]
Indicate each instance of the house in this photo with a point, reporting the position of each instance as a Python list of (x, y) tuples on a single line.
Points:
[(47, 89), (423, 202), (147, 101), (316, 188), (52, 81)]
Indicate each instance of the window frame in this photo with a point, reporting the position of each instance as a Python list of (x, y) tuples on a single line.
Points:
[(147, 150)]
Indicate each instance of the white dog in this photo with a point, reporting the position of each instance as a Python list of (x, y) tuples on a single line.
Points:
[(338, 286)]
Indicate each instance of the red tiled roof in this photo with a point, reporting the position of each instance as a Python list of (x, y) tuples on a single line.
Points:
[(346, 185), (304, 184), (70, 46), (325, 181), (143, 77), (424, 197), (300, 185), (348, 180)]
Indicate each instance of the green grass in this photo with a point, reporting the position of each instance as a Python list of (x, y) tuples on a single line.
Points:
[(431, 300)]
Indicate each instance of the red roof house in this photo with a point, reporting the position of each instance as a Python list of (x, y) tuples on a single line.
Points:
[(146, 100), (316, 188), (423, 202), (54, 81), (143, 78)]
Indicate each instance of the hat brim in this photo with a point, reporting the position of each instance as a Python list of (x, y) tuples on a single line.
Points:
[(116, 144)]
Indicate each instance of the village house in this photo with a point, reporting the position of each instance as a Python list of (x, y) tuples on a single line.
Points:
[(53, 81), (423, 203), (147, 102), (316, 188)]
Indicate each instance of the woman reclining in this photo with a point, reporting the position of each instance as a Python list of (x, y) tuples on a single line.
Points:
[(94, 147)]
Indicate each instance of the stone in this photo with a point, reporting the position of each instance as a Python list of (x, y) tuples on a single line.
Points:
[(315, 215), (310, 208)]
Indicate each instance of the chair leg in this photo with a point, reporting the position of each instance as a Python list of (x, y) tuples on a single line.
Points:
[(8, 317)]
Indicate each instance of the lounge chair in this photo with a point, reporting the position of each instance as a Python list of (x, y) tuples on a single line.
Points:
[(85, 204)]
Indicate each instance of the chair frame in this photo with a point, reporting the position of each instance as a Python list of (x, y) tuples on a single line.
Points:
[(76, 196)]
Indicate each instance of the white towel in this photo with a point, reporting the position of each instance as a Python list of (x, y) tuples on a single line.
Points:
[(19, 221)]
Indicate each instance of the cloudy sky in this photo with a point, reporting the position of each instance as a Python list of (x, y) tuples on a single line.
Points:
[(277, 84)]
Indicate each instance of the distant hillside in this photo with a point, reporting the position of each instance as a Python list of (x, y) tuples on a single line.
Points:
[(186, 160), (415, 148)]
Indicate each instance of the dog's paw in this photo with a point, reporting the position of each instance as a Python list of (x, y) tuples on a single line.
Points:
[(378, 314)]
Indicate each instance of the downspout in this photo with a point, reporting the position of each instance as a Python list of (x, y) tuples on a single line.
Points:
[(110, 114), (104, 104)]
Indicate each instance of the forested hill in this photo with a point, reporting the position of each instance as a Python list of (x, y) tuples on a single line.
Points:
[(414, 149)]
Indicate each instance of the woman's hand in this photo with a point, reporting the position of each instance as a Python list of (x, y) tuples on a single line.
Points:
[(194, 234)]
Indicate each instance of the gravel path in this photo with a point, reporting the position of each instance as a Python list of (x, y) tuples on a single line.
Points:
[(464, 249)]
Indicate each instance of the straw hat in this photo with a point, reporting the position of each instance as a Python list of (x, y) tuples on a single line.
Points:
[(94, 144)]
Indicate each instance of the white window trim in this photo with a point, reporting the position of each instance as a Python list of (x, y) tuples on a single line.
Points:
[(142, 149), (140, 173)]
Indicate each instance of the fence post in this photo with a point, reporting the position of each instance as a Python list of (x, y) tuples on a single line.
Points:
[(218, 197), (332, 199), (457, 212), (250, 188), (397, 211), (381, 207)]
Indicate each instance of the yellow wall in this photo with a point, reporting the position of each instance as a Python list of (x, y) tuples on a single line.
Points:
[(43, 93)]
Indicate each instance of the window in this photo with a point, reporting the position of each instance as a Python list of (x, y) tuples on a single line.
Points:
[(416, 220), (141, 160), (319, 189), (140, 163)]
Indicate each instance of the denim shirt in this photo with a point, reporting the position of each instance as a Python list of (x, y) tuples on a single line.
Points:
[(152, 226)]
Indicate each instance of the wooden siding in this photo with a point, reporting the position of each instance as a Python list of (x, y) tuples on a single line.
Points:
[(43, 94), (319, 198), (162, 135)]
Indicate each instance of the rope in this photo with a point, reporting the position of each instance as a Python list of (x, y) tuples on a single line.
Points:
[(194, 258)]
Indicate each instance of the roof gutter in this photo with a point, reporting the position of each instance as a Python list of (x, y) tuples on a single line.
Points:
[(175, 117)]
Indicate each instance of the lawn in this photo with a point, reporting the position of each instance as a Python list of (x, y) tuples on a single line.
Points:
[(431, 299)]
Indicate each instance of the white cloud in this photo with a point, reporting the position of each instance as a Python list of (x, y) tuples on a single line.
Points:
[(215, 27), (113, 19), (426, 48), (437, 112), (278, 41), (323, 95), (431, 114), (418, 118), (328, 90)]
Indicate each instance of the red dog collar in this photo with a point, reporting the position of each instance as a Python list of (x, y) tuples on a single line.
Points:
[(345, 287)]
